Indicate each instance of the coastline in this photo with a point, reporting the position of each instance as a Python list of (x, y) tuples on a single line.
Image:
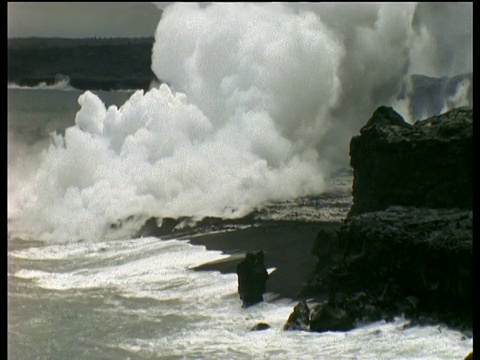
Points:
[(89, 64), (287, 246)]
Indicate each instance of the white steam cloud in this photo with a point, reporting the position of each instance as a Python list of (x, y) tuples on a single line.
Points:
[(261, 104)]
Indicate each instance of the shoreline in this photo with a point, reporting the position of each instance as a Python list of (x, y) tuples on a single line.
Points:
[(287, 246), (89, 63)]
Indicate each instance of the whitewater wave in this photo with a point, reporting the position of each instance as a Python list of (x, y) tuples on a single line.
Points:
[(62, 83), (203, 308)]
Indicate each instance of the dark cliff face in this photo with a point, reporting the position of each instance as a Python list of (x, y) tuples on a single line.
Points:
[(427, 254), (428, 164), (406, 247)]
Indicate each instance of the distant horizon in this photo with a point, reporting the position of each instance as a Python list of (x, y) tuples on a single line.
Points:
[(81, 38)]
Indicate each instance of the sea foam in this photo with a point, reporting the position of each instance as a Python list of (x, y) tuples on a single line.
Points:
[(198, 314)]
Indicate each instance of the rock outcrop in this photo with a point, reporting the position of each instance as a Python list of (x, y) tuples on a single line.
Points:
[(252, 278), (428, 164), (323, 317), (299, 319), (406, 245), (411, 261), (328, 317)]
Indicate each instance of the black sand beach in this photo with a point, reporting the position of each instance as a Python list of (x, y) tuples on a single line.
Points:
[(287, 246)]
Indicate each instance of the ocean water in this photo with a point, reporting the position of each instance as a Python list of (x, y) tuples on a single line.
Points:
[(257, 108), (120, 297)]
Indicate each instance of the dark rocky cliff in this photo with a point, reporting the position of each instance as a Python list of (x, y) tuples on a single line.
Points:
[(406, 247), (428, 164)]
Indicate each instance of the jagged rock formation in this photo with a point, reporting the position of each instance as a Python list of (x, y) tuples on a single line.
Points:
[(299, 319), (252, 278), (406, 245), (428, 164), (412, 261), (323, 317), (329, 317)]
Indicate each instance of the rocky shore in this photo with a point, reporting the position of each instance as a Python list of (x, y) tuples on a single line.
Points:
[(406, 247), (287, 246)]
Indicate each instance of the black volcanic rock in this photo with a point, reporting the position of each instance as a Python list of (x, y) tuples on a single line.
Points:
[(252, 278), (406, 247), (299, 319), (327, 317), (428, 164), (386, 116), (422, 253)]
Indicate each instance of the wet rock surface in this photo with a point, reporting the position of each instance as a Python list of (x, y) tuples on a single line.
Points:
[(299, 319)]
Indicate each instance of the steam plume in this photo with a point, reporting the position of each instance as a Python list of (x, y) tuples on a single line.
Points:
[(261, 104)]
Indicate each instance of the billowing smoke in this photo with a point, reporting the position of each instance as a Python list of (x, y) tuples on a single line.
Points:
[(22, 163), (261, 102)]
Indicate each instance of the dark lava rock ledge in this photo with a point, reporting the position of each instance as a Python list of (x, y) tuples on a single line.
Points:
[(406, 246)]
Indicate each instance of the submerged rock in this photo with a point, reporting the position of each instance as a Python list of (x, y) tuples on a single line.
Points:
[(260, 326)]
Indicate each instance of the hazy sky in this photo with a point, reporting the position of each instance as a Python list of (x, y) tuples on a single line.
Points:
[(82, 19)]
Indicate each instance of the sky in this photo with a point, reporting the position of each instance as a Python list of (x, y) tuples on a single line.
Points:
[(82, 19)]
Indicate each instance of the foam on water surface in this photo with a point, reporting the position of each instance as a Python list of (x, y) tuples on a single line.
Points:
[(205, 310)]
